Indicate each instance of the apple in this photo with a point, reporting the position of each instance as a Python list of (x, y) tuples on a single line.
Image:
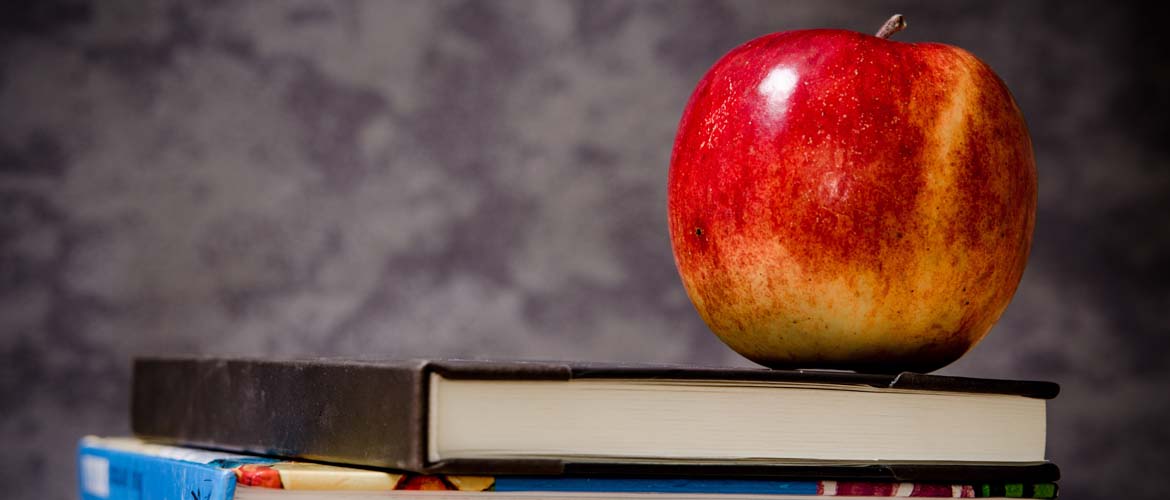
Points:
[(845, 201)]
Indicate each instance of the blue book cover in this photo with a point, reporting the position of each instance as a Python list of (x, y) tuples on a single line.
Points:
[(128, 469), (132, 469)]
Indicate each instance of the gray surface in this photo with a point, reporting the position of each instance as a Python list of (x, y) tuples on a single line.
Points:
[(488, 179)]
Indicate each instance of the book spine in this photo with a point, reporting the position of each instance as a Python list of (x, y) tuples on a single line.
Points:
[(108, 474), (357, 413)]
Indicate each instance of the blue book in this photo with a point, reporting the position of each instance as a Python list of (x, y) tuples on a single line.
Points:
[(131, 469), (117, 469)]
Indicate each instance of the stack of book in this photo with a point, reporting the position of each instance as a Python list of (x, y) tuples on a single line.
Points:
[(239, 428)]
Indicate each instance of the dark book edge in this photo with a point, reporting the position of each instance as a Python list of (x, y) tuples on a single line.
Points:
[(569, 370), (336, 411), (551, 370)]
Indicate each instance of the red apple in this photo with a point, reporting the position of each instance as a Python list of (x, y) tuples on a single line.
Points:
[(841, 200)]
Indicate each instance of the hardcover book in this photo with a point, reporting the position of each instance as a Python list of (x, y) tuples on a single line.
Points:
[(480, 417), (130, 469)]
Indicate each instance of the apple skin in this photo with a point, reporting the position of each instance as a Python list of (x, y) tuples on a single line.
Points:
[(838, 200)]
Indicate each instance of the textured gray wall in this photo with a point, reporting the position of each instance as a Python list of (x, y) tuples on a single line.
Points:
[(488, 179)]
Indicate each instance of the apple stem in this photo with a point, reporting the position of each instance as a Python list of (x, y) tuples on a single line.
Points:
[(896, 23)]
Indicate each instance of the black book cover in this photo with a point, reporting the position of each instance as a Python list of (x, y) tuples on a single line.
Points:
[(374, 413)]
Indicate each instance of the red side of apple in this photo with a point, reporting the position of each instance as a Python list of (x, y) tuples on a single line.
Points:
[(839, 200)]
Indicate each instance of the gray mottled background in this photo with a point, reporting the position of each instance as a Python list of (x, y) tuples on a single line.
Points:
[(488, 179)]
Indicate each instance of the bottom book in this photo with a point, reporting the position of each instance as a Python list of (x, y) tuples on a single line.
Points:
[(130, 469)]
